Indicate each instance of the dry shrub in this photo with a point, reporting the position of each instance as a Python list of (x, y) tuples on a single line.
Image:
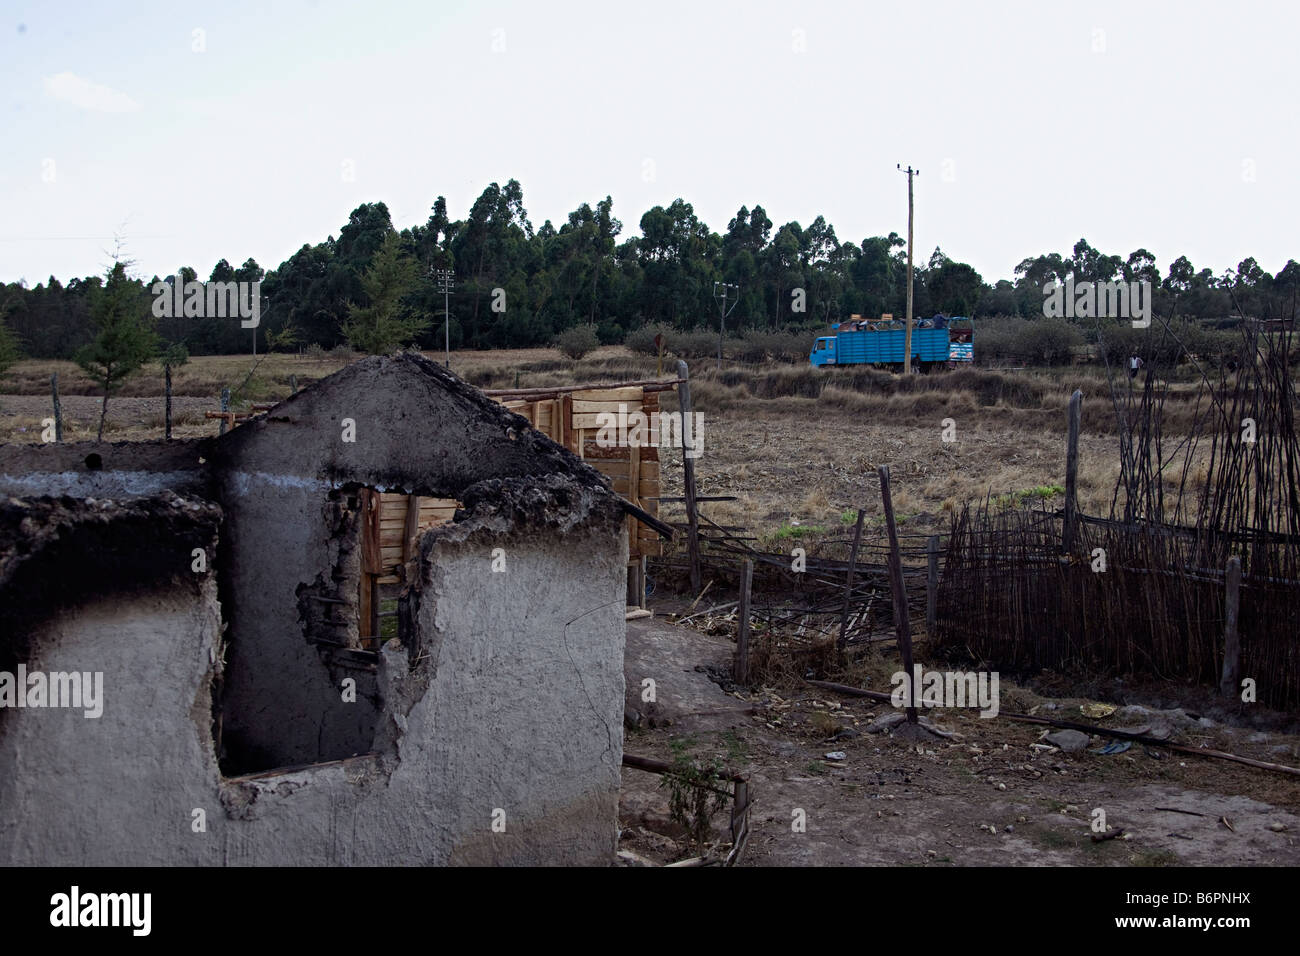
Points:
[(815, 502), (823, 724)]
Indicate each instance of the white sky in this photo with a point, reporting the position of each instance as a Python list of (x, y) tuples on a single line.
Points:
[(1165, 125)]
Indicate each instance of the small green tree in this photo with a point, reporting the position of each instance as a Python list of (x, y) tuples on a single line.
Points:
[(9, 350), (577, 341), (283, 340), (694, 790), (384, 324), (124, 339)]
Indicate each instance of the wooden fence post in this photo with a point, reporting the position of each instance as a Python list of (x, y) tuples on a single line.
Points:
[(931, 583), (1228, 685), (901, 620), (688, 476), (1072, 474), (741, 670), (167, 405), (225, 407), (58, 418), (739, 808), (848, 582)]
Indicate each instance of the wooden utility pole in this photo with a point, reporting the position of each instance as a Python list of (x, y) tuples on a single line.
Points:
[(907, 345)]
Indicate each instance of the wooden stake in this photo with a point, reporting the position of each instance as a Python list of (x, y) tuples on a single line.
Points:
[(688, 471), (739, 809), (901, 621), (225, 407), (410, 527), (931, 583), (1228, 685), (167, 409), (741, 671), (1072, 474), (375, 601), (364, 594), (848, 582), (58, 418)]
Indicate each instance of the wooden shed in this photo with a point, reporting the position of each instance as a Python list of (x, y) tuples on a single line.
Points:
[(569, 416)]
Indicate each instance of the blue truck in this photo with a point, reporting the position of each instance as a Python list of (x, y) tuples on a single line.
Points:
[(935, 344)]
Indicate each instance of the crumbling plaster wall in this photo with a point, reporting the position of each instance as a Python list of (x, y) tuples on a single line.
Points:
[(120, 469), (117, 790), (507, 695), (416, 428), (110, 587)]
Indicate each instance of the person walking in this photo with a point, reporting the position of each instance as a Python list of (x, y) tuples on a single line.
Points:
[(1134, 363)]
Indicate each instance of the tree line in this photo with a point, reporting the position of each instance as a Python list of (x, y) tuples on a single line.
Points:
[(374, 288)]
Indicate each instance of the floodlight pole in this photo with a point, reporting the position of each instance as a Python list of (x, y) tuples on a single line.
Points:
[(907, 345), (720, 293), (446, 282)]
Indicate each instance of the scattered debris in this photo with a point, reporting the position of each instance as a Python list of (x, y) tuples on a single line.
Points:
[(1068, 740), (1097, 711), (1114, 747)]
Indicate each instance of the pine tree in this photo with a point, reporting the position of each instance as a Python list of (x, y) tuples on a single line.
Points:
[(383, 325), (9, 350), (124, 340)]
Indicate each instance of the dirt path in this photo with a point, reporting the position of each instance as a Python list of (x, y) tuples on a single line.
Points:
[(988, 796)]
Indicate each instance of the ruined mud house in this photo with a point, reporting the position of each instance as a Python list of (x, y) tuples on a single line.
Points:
[(260, 706)]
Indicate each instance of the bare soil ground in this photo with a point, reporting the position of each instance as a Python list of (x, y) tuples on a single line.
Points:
[(987, 796)]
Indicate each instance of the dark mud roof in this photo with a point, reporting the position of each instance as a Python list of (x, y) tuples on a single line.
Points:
[(56, 552), (419, 429)]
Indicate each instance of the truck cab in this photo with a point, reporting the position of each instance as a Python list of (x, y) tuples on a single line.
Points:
[(823, 352)]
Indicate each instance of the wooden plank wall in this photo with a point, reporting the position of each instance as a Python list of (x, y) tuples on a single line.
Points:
[(572, 420), (393, 522), (391, 525)]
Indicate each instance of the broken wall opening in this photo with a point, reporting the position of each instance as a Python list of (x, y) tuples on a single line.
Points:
[(311, 695), (391, 524)]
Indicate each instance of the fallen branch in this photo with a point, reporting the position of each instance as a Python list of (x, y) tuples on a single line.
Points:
[(1142, 738), (720, 607), (700, 595), (848, 691)]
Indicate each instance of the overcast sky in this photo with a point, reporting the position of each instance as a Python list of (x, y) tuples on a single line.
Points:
[(1171, 126)]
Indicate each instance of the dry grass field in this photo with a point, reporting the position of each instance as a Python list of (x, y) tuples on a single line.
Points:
[(796, 446)]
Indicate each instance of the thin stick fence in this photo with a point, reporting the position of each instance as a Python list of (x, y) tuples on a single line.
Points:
[(1194, 576)]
